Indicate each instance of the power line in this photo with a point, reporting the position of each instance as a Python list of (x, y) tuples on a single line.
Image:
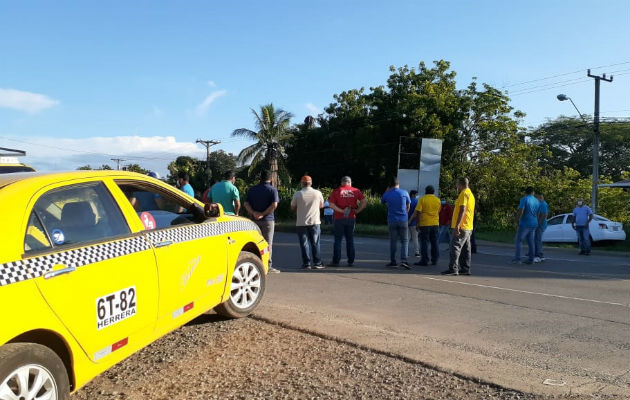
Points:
[(559, 75)]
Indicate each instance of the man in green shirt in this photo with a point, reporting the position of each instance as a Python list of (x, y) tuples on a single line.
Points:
[(226, 194)]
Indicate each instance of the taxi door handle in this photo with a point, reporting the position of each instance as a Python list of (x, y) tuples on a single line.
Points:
[(58, 272), (164, 243)]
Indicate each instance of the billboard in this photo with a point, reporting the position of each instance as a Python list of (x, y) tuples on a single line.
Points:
[(428, 172)]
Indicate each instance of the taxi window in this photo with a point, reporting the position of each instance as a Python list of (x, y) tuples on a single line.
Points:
[(156, 207), (78, 214), (36, 238)]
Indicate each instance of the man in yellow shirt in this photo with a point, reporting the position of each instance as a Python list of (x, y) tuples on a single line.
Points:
[(428, 209), (462, 226)]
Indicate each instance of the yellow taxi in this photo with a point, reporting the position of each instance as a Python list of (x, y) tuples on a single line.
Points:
[(95, 265)]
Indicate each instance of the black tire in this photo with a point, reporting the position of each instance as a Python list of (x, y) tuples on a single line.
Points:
[(231, 308), (13, 356)]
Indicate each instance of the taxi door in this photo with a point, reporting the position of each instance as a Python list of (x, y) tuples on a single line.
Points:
[(98, 279), (191, 257)]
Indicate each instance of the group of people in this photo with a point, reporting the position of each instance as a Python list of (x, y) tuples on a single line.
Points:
[(427, 220), (422, 222)]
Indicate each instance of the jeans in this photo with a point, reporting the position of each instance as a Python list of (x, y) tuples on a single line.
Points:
[(523, 233), (413, 239), (460, 252), (267, 229), (445, 234), (398, 232), (538, 241), (583, 239), (429, 234), (328, 219), (344, 228), (309, 241)]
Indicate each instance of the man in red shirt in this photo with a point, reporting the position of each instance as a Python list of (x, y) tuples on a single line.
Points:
[(446, 215), (346, 202)]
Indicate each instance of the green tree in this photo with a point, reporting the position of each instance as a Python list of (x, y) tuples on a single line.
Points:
[(271, 136), (570, 142), (135, 168)]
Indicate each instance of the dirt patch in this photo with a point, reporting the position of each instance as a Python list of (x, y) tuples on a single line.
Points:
[(211, 358)]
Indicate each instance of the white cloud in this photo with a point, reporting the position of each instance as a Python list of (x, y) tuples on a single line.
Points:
[(212, 84), (59, 154), (202, 108), (25, 101), (313, 109)]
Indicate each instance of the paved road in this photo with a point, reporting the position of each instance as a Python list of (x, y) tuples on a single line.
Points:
[(558, 327)]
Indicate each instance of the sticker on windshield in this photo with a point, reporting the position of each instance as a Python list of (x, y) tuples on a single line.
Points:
[(147, 220), (115, 307), (58, 237)]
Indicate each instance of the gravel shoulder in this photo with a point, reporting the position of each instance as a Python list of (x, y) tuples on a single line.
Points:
[(213, 358)]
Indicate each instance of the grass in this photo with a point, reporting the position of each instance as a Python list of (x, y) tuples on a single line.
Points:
[(498, 236)]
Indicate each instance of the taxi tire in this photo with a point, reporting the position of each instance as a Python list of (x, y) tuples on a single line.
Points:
[(16, 355), (229, 309)]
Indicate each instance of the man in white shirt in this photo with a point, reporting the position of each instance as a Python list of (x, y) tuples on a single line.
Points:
[(307, 203)]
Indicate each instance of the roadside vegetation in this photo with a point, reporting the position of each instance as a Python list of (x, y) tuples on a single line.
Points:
[(484, 138)]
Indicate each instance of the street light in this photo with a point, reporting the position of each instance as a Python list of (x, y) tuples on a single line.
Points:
[(564, 97)]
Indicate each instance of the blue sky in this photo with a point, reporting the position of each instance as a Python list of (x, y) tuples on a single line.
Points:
[(81, 82)]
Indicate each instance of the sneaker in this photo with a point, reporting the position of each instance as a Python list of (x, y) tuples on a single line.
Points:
[(537, 259), (528, 262), (332, 264), (421, 263), (274, 270), (449, 272), (391, 265), (417, 254), (318, 266), (306, 266), (515, 261), (405, 265), (542, 259), (350, 264), (465, 273)]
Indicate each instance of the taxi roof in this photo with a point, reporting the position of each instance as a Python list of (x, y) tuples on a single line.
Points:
[(51, 177)]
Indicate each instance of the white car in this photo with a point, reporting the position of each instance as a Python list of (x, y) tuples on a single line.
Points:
[(559, 229)]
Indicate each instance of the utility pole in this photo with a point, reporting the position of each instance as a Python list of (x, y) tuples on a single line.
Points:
[(118, 160), (207, 144), (596, 135)]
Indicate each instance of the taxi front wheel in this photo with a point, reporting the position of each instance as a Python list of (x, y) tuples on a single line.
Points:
[(247, 287), (31, 371)]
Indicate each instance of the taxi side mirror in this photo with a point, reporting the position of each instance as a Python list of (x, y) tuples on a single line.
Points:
[(213, 210)]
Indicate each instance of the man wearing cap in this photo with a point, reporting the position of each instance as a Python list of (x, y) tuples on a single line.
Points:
[(307, 203), (346, 201), (261, 202)]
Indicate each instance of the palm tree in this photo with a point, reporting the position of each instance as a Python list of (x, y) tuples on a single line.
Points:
[(273, 133)]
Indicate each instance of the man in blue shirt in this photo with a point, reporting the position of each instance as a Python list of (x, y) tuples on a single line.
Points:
[(582, 216), (543, 212), (398, 204), (260, 203), (413, 224), (183, 182), (527, 224)]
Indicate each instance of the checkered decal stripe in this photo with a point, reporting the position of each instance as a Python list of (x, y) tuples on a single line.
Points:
[(198, 231), (17, 271)]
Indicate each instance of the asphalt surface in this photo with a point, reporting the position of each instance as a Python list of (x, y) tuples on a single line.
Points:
[(558, 327)]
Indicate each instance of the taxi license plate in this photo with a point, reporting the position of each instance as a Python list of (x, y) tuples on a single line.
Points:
[(115, 307)]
